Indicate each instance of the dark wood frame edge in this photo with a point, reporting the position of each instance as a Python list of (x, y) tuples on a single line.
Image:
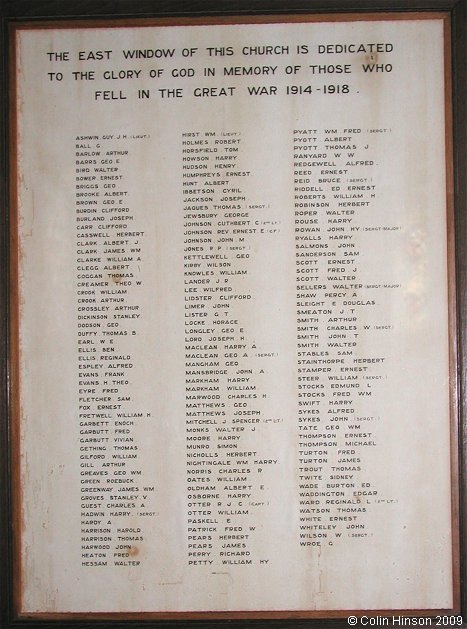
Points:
[(17, 11), (459, 126)]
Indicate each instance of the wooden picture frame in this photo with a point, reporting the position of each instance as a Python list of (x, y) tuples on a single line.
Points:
[(353, 110)]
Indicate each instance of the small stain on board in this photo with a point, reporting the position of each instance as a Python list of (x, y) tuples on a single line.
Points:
[(371, 57)]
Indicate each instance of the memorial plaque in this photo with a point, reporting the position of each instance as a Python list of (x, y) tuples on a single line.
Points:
[(232, 271)]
